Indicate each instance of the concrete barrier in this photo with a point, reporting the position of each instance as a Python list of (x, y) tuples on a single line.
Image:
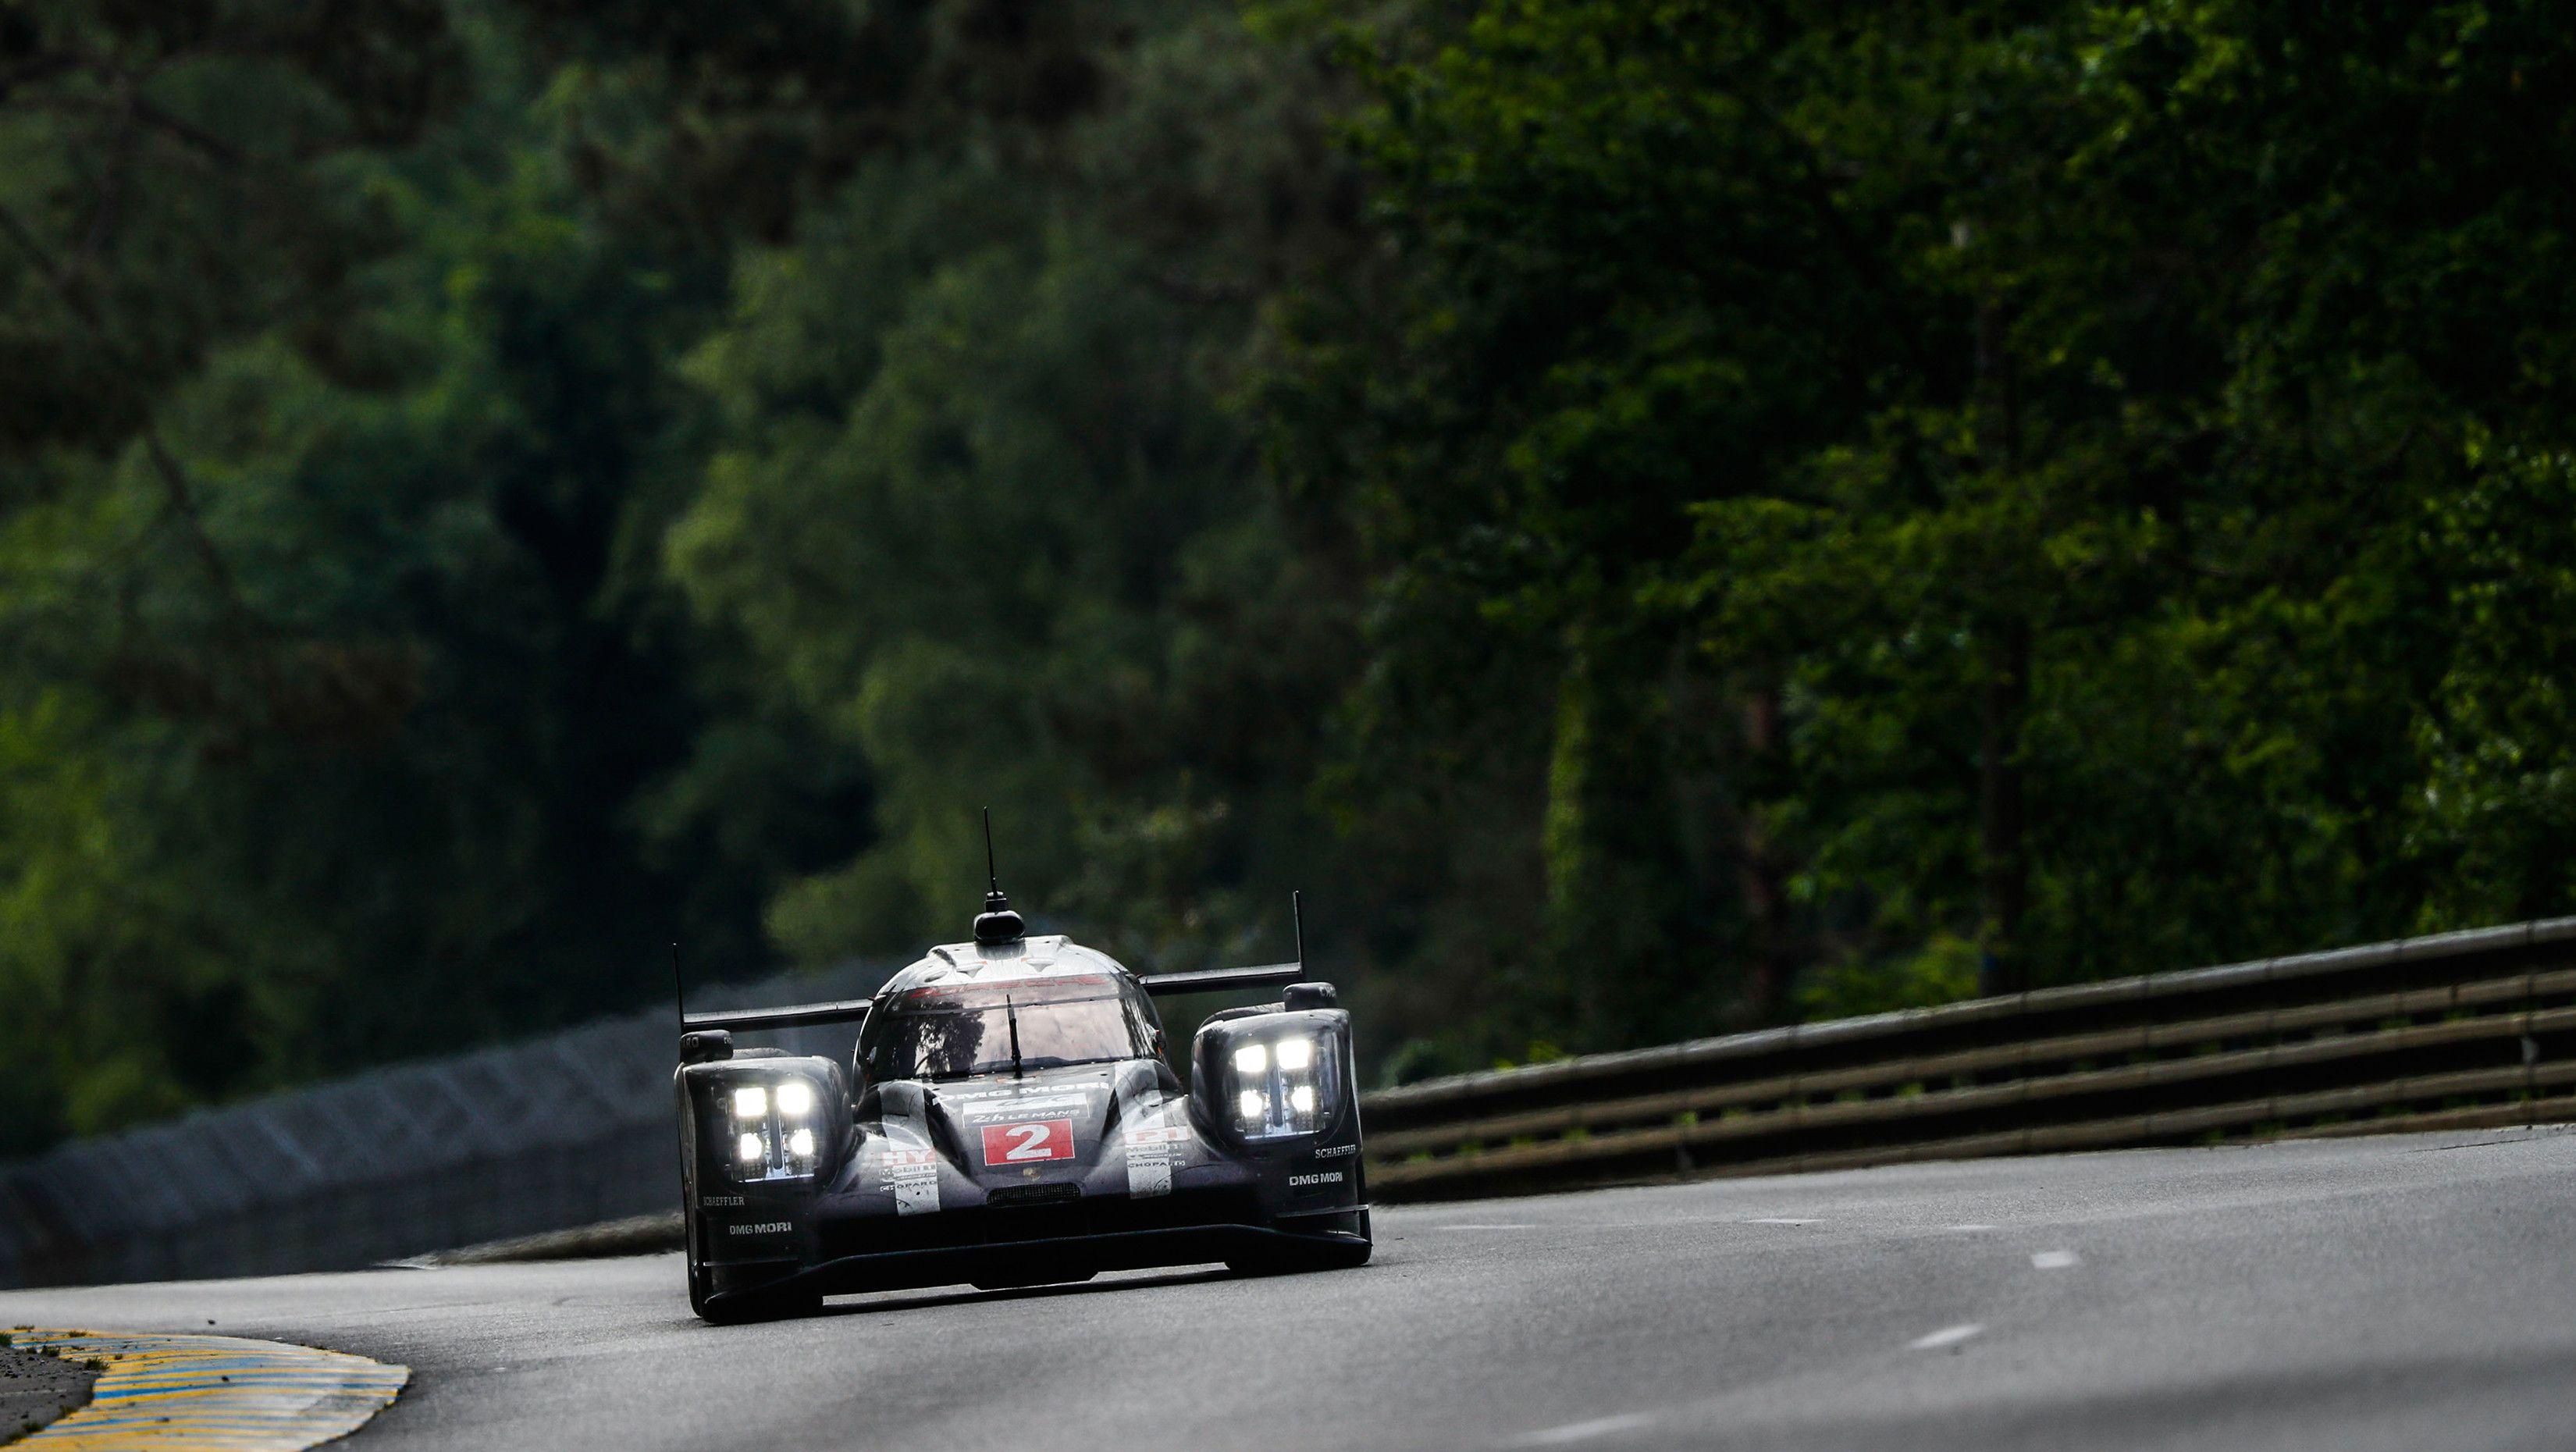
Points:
[(565, 1130)]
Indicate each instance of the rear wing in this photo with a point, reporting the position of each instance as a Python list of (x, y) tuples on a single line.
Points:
[(1203, 980), (795, 1015), (1219, 980), (802, 1015)]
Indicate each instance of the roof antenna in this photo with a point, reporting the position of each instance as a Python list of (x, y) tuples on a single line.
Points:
[(1297, 920), (998, 924), (992, 874)]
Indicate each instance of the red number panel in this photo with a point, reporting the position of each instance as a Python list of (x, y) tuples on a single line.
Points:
[(1027, 1144)]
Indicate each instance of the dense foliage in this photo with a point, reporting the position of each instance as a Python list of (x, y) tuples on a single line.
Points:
[(1660, 516)]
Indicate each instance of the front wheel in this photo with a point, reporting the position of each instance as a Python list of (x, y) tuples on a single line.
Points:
[(745, 1307), (1296, 1257), (736, 1310)]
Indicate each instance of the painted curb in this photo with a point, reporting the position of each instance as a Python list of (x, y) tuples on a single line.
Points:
[(220, 1393)]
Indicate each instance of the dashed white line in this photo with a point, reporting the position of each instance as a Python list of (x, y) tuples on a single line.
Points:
[(1946, 1336), (1780, 1220), (2053, 1260), (1967, 1227), (1584, 1431)]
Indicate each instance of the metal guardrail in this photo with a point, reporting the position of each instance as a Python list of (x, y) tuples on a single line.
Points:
[(564, 1130), (2462, 1028)]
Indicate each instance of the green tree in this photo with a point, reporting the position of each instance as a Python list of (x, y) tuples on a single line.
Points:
[(980, 508), (335, 660), (2076, 444)]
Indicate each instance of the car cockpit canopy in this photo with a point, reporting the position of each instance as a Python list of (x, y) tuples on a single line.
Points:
[(963, 1029)]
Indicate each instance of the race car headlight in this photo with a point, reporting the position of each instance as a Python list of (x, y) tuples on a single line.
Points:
[(772, 1139), (1284, 1085)]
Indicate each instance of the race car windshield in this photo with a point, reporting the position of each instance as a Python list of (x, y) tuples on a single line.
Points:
[(957, 1032)]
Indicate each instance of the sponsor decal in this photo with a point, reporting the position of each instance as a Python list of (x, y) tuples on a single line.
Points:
[(1148, 1137), (1058, 1090), (908, 1168), (765, 1227), (1327, 1177), (1010, 1108), (1036, 1139), (719, 1201), (1337, 1151)]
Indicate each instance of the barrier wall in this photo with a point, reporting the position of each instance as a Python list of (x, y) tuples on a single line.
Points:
[(564, 1130)]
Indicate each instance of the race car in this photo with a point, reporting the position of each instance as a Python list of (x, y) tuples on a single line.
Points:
[(1007, 1118)]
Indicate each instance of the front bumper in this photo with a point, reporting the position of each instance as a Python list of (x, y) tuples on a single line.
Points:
[(1033, 1259)]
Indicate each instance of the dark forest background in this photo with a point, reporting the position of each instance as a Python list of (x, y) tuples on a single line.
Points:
[(1660, 517)]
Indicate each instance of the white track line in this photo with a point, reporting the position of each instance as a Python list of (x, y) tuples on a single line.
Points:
[(2053, 1260), (1946, 1336), (1781, 1220), (1584, 1431)]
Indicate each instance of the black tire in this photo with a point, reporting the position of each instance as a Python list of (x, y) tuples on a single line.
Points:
[(743, 1308), (1298, 1259), (689, 1240)]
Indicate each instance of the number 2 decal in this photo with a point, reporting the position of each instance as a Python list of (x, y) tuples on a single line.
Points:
[(1038, 1139)]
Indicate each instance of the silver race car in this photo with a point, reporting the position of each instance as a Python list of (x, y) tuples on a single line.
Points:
[(1007, 1118)]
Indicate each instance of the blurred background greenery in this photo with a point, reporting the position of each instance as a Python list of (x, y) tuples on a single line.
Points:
[(1661, 517)]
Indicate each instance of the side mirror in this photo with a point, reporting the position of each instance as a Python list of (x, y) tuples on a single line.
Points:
[(1308, 995), (705, 1046)]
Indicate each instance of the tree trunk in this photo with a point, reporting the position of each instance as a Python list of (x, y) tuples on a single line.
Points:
[(2003, 863), (1763, 875)]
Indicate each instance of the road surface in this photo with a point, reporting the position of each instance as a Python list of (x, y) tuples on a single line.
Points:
[(2403, 1292)]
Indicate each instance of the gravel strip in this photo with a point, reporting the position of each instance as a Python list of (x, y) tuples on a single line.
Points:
[(35, 1389)]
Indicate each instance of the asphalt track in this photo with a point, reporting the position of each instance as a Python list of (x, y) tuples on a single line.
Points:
[(2404, 1292)]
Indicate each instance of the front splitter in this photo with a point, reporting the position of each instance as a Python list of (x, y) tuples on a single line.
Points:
[(1050, 1258)]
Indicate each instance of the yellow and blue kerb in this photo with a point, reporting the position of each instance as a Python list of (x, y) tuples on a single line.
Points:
[(220, 1393)]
